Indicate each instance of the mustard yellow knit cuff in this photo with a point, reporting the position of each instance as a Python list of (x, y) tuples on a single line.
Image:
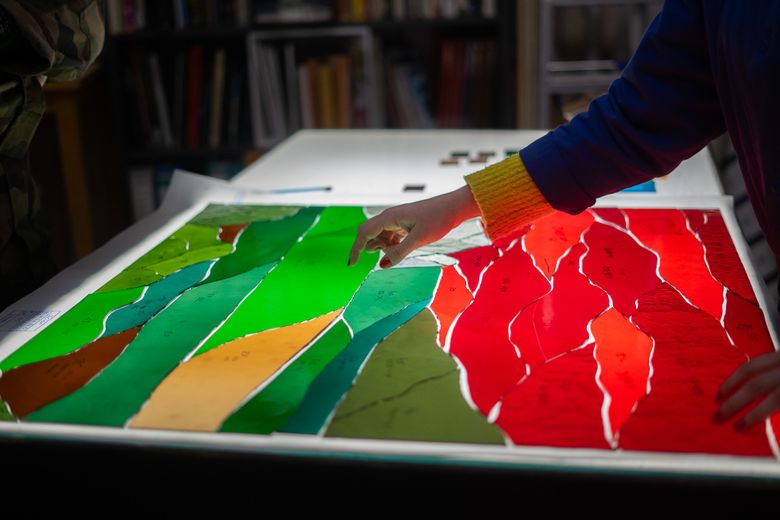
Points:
[(507, 197)]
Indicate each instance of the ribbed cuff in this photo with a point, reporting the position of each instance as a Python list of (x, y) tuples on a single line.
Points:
[(507, 197)]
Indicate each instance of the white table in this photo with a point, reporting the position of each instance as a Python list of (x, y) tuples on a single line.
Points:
[(383, 162)]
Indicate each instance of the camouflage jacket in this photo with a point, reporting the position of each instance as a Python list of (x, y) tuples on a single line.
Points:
[(55, 40)]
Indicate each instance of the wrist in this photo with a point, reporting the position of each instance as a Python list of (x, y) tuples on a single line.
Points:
[(463, 200)]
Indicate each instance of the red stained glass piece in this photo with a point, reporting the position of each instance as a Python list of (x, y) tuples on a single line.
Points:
[(551, 236), (613, 215), (450, 299), (691, 359), (722, 256), (558, 405), (229, 233), (745, 324), (665, 231), (620, 266), (505, 242), (480, 338), (695, 218), (555, 324), (623, 354), (472, 262)]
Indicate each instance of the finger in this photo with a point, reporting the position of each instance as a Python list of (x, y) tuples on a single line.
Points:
[(751, 390), (384, 240), (369, 229), (746, 370), (395, 254), (767, 408)]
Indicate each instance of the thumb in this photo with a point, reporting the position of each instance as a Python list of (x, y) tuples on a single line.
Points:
[(395, 254)]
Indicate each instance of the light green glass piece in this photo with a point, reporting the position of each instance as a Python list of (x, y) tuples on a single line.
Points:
[(228, 214), (80, 325), (311, 280), (189, 245), (262, 243)]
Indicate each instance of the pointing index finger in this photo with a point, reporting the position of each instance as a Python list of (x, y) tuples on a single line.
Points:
[(367, 230)]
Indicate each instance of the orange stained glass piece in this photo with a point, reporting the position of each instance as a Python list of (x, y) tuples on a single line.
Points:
[(665, 231), (558, 405), (620, 266), (613, 215), (692, 357), (623, 353), (746, 325), (229, 233), (29, 387), (722, 256), (551, 236), (450, 299), (203, 391), (472, 262), (557, 323), (480, 338)]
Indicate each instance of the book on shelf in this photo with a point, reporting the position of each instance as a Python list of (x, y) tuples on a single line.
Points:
[(466, 83), (407, 93), (129, 16), (187, 99), (194, 94), (292, 91)]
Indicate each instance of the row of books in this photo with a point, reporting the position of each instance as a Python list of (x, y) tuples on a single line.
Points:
[(190, 99), (407, 97), (467, 91), (359, 11), (128, 16), (289, 92)]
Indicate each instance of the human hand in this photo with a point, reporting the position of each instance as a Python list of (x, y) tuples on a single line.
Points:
[(402, 229), (757, 378)]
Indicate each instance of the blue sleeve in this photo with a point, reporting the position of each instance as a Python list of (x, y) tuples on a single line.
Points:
[(663, 109)]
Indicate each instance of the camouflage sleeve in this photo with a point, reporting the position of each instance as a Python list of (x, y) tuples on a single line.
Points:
[(65, 36), (58, 40)]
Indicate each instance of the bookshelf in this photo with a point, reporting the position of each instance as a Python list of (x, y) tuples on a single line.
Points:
[(601, 39), (187, 84)]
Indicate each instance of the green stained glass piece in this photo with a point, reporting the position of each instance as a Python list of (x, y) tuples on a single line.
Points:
[(80, 325), (189, 245), (275, 404), (263, 242), (216, 215), (326, 391), (387, 291), (119, 391), (409, 390), (311, 280), (5, 414), (157, 296)]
